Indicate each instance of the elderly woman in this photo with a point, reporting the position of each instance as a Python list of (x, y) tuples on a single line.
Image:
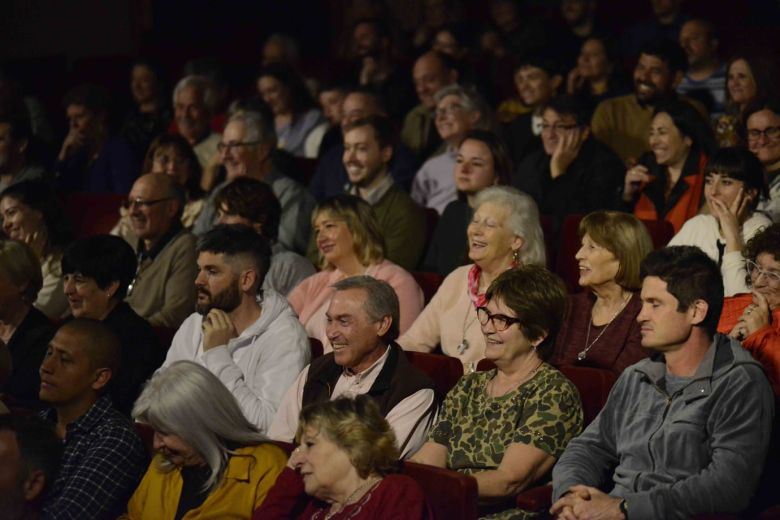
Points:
[(482, 161), (23, 328), (668, 182), (343, 468), (600, 328), (32, 213), (754, 318), (211, 462), (459, 109), (507, 426), (349, 244), (733, 183), (503, 233), (97, 273)]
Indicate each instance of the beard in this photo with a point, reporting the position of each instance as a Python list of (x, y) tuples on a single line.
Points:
[(226, 300)]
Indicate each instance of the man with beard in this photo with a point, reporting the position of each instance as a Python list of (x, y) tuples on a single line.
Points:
[(247, 336), (368, 150), (623, 123), (192, 112), (162, 290)]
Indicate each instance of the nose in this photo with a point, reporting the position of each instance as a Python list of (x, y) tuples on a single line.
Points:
[(579, 255), (47, 365), (68, 286), (200, 280)]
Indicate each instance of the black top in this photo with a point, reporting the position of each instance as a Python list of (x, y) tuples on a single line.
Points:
[(192, 493), (27, 347), (449, 247), (520, 138)]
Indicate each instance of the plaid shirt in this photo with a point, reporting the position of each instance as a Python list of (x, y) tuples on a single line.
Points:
[(103, 461)]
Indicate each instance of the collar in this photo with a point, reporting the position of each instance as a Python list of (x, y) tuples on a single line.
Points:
[(167, 238), (375, 195), (347, 372), (86, 422), (240, 463)]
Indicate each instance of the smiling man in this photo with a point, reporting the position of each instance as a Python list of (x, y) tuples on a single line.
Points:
[(247, 336), (362, 324), (683, 432)]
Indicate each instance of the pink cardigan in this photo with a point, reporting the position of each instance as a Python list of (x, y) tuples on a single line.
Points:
[(310, 297)]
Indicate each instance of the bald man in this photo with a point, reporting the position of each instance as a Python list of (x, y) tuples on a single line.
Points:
[(167, 263)]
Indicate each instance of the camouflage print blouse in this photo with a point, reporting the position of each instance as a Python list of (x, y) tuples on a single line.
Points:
[(545, 412)]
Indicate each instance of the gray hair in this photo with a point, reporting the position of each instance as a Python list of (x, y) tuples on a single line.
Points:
[(204, 86), (471, 100), (381, 300), (523, 220), (187, 400), (258, 127)]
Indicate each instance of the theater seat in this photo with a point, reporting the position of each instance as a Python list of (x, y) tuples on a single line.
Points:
[(92, 213), (450, 495), (444, 370), (428, 282)]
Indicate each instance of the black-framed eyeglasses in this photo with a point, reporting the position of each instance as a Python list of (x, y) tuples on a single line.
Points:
[(772, 132), (141, 203), (500, 322), (226, 147)]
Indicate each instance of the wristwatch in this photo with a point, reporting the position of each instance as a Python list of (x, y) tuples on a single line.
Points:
[(624, 508)]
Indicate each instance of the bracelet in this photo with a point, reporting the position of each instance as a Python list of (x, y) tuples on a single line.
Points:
[(624, 508)]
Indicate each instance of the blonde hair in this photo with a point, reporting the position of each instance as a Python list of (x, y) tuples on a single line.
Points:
[(21, 267), (368, 244)]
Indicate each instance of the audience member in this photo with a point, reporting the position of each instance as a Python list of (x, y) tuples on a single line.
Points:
[(245, 151), (33, 213), (668, 182), (482, 161), (103, 458), (458, 109), (246, 336), (578, 23), (330, 177), (345, 465), (753, 317), (763, 139), (252, 203), (503, 233), (432, 71), (623, 123), (733, 183), (362, 324), (90, 159), (299, 124), (25, 330), (193, 106), (533, 409), (97, 272), (682, 433), (599, 328), (30, 456), (597, 75), (161, 291), (665, 25), (572, 173), (280, 48), (520, 35), (150, 114), (211, 461), (349, 243), (16, 161), (331, 98), (705, 78)]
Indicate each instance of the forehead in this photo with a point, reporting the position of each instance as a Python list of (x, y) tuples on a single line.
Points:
[(427, 66), (663, 119), (234, 131), (550, 114), (10, 202), (593, 45), (209, 258), (497, 306), (763, 118), (189, 96), (656, 288), (531, 71), (65, 340), (349, 302), (146, 186), (331, 95), (493, 210), (768, 261), (475, 147), (650, 61), (693, 29), (357, 101), (360, 135), (142, 71), (325, 216), (5, 129), (77, 110), (739, 66), (269, 82), (450, 100)]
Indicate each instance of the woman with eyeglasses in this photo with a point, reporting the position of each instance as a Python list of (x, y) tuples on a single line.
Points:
[(733, 183), (754, 317), (507, 426)]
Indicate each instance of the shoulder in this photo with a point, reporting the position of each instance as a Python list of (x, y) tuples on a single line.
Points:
[(553, 385), (398, 482), (267, 453), (615, 103), (391, 272), (756, 222), (185, 240)]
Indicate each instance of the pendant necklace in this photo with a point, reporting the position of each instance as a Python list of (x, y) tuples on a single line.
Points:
[(464, 345), (584, 353)]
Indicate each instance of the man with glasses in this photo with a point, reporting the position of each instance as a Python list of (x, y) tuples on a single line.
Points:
[(161, 292), (245, 151), (763, 139), (572, 173)]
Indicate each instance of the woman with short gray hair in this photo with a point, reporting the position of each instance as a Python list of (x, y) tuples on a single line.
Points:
[(459, 108), (207, 451)]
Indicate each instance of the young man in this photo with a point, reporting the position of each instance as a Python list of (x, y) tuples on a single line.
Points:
[(683, 432)]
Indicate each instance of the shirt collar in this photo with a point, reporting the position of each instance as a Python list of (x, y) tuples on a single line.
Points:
[(377, 365), (143, 254), (86, 422), (375, 195)]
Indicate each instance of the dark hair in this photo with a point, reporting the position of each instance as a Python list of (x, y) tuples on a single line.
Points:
[(690, 124), (570, 106), (537, 297), (771, 104), (192, 187), (104, 258), (765, 241), (765, 76), (690, 275), (383, 128), (669, 52), (40, 196), (16, 115), (94, 97), (254, 200), (101, 344), (298, 94), (739, 164), (375, 95), (234, 240), (541, 60), (502, 161), (39, 446)]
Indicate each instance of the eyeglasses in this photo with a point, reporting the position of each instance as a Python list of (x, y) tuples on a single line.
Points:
[(558, 127), (448, 110), (771, 277), (500, 322), (226, 147), (141, 203), (772, 132)]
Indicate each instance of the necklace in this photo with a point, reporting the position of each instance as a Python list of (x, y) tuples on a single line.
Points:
[(584, 353), (370, 483), (464, 345), (514, 386)]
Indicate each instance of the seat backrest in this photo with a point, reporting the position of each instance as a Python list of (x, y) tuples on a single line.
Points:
[(92, 213), (428, 282), (661, 232), (444, 370), (431, 219), (594, 385), (565, 264), (146, 433), (450, 495)]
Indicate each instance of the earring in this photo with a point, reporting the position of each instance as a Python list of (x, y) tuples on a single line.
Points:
[(516, 257)]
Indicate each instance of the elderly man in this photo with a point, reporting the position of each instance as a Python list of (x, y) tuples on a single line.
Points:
[(245, 150), (247, 336), (167, 265), (192, 111), (706, 76), (103, 458), (431, 72), (763, 136), (362, 324), (684, 432)]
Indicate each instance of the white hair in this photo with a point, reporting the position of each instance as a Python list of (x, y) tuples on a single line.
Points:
[(471, 100), (203, 85)]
